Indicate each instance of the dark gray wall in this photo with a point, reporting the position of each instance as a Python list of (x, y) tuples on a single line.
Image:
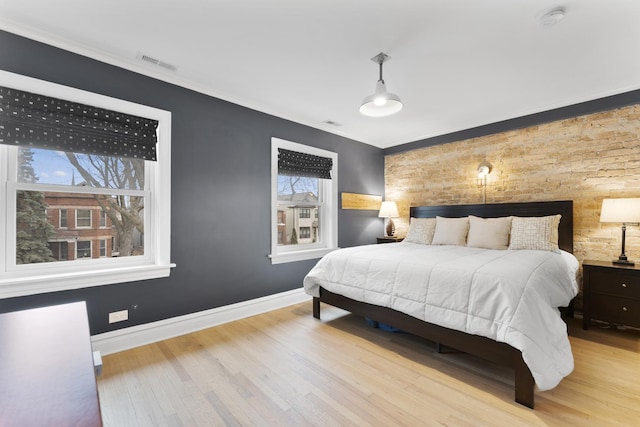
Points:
[(221, 160)]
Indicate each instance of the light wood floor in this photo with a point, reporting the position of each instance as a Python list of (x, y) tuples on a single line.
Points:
[(287, 368)]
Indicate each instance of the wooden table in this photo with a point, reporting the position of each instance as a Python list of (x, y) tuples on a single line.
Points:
[(46, 368)]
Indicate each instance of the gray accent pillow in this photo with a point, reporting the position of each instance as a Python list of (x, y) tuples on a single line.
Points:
[(421, 230), (535, 233)]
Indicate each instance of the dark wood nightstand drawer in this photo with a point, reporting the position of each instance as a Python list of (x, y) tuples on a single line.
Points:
[(613, 282), (611, 293), (622, 311)]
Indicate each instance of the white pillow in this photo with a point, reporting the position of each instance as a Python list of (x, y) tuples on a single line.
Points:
[(450, 231), (489, 233), (421, 230), (535, 233)]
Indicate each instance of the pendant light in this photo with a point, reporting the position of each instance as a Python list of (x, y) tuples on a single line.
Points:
[(381, 103)]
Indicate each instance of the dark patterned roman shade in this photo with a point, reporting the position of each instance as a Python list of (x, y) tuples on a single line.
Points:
[(38, 121), (294, 163)]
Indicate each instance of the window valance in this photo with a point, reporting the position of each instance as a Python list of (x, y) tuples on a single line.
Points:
[(38, 121), (294, 163)]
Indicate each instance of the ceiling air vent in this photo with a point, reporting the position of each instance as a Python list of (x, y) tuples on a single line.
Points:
[(157, 62)]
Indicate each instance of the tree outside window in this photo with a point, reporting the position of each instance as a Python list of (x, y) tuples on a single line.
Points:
[(105, 185)]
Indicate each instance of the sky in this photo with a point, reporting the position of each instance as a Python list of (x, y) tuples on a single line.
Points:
[(52, 167)]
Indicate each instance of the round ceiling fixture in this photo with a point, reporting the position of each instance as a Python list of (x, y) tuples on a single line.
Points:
[(552, 17)]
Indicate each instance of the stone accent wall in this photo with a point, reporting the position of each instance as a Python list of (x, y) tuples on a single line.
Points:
[(584, 159)]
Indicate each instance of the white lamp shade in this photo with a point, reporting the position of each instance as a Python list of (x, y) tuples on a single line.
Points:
[(620, 210), (388, 210), (381, 103)]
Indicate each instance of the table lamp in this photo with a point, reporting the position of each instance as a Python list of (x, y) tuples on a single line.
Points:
[(389, 210), (625, 211)]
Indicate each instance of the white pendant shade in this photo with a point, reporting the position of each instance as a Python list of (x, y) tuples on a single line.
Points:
[(381, 103)]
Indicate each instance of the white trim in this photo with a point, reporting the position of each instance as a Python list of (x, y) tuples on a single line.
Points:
[(135, 336), (40, 284), (292, 256)]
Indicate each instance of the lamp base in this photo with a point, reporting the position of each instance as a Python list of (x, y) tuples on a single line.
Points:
[(623, 262), (391, 228)]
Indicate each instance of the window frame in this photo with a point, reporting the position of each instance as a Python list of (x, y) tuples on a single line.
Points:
[(30, 279), (328, 217), (83, 218), (65, 216), (90, 242)]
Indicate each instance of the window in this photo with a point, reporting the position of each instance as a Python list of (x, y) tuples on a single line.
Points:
[(83, 217), (59, 250), (305, 232), (63, 218), (83, 249), (35, 181), (304, 208)]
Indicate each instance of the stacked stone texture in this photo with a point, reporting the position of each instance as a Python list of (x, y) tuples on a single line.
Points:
[(584, 159)]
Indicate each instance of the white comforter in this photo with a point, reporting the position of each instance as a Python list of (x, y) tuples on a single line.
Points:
[(508, 296)]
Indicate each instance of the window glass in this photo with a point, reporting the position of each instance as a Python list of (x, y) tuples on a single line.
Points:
[(77, 169), (42, 237), (59, 250), (37, 241), (297, 198), (61, 169), (83, 249), (83, 218), (32, 228)]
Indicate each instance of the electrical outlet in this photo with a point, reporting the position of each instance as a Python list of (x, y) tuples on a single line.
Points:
[(118, 316)]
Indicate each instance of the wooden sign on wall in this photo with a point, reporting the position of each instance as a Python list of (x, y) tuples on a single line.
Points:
[(361, 201)]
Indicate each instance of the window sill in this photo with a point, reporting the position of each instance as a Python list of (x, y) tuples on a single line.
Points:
[(15, 287), (299, 255)]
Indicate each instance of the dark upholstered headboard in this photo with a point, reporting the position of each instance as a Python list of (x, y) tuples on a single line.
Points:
[(564, 208)]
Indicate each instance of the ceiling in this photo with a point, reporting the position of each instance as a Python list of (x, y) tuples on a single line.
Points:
[(456, 64)]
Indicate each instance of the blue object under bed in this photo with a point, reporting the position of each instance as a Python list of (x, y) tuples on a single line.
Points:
[(382, 326)]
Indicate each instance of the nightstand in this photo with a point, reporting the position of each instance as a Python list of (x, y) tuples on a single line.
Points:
[(611, 293), (387, 239)]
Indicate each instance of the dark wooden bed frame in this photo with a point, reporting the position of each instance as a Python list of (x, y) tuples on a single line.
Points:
[(485, 348)]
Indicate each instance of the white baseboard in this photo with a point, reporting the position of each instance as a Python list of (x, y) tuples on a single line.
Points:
[(135, 336)]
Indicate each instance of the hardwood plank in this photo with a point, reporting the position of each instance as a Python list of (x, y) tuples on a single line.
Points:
[(287, 368)]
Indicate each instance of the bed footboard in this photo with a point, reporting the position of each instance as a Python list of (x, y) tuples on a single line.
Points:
[(485, 348)]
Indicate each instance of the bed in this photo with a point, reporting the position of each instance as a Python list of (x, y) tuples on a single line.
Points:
[(511, 346)]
